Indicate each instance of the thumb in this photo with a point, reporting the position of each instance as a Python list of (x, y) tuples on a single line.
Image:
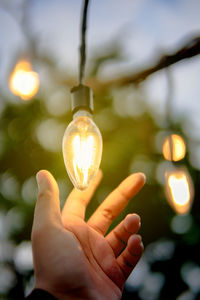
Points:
[(47, 209)]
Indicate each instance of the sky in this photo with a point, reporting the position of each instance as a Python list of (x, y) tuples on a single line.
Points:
[(145, 29)]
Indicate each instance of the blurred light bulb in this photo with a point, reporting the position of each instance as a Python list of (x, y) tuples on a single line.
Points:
[(179, 190), (23, 81), (174, 148), (82, 149)]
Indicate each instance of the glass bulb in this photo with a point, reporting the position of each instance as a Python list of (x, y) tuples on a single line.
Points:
[(82, 149), (23, 81), (174, 148), (179, 190)]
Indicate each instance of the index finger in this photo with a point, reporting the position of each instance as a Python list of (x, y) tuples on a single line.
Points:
[(116, 202), (77, 200)]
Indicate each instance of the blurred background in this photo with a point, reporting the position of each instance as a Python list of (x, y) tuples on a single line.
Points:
[(151, 125)]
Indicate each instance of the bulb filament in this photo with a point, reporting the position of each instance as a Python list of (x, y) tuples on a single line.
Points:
[(83, 156)]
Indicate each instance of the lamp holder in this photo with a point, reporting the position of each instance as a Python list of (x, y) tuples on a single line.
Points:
[(81, 98)]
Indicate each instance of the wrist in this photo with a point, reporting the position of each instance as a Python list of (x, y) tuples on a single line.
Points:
[(79, 294), (40, 294)]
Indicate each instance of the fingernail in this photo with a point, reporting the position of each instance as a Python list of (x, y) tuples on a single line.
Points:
[(39, 178), (144, 176), (139, 219)]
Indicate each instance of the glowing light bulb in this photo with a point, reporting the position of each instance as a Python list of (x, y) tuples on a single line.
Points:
[(23, 81), (82, 150), (179, 190), (82, 144), (174, 148)]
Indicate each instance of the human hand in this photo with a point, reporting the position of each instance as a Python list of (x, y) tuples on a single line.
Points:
[(74, 259)]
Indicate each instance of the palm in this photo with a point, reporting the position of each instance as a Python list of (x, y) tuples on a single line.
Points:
[(104, 273), (73, 257)]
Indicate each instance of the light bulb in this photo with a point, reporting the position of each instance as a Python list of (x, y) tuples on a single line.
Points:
[(82, 146), (174, 148), (23, 81), (82, 150), (179, 190)]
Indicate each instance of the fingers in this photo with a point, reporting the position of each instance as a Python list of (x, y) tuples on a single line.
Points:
[(119, 236), (131, 255), (47, 209), (116, 202), (77, 201)]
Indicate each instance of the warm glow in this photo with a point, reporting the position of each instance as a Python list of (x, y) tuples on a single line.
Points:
[(179, 191), (23, 81), (174, 148), (83, 152), (82, 149), (179, 188)]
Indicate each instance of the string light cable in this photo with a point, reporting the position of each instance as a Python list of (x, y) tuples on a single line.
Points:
[(178, 183), (82, 141), (83, 43)]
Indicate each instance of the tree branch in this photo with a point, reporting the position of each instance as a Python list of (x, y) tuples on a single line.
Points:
[(190, 49)]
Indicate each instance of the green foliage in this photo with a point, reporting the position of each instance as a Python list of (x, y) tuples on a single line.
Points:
[(129, 146)]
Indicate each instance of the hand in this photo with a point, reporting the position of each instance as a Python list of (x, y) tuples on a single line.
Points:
[(74, 259)]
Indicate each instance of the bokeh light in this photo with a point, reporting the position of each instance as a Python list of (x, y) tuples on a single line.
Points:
[(7, 249), (9, 186), (179, 190), (14, 221), (136, 279), (58, 103), (187, 295), (29, 190), (23, 257), (190, 272), (23, 81), (7, 278), (181, 224), (152, 286), (49, 134), (174, 148), (160, 250)]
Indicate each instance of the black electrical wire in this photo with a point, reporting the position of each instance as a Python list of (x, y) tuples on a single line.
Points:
[(83, 43), (169, 111), (170, 92)]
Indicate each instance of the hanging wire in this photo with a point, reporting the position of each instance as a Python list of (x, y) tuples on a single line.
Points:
[(83, 43), (170, 90), (168, 110)]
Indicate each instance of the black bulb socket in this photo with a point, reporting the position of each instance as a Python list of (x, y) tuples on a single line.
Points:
[(81, 98)]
